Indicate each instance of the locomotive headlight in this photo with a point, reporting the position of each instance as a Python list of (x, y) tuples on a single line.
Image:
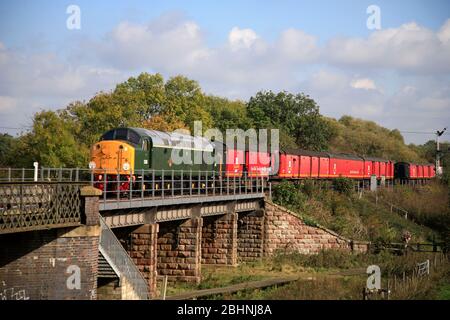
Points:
[(92, 165), (126, 166)]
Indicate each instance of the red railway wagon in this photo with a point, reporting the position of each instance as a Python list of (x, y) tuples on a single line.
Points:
[(379, 167), (426, 171), (289, 165), (406, 171), (432, 170), (299, 164), (257, 164), (234, 166), (346, 165)]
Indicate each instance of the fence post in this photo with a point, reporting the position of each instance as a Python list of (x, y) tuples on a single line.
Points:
[(270, 191), (164, 287), (162, 183), (153, 183), (131, 185), (182, 183), (173, 183), (36, 167), (105, 186), (206, 182), (118, 185), (199, 182), (142, 183), (190, 182), (214, 184)]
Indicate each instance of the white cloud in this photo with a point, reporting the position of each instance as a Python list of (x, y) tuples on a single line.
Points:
[(344, 75), (363, 83), (7, 103), (444, 33), (241, 38), (297, 45), (410, 47)]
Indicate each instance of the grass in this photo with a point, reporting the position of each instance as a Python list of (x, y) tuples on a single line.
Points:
[(361, 219), (319, 275), (444, 292)]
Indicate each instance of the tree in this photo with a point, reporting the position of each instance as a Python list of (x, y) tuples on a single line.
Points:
[(185, 101), (295, 115), (6, 147), (227, 114), (53, 144)]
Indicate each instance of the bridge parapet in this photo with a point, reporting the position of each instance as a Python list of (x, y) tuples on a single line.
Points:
[(26, 207)]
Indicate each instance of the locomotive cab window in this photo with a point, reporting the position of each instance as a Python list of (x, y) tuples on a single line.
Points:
[(121, 134), (145, 145), (133, 137), (108, 136)]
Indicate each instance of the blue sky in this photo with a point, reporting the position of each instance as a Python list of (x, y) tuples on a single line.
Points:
[(22, 20), (398, 76)]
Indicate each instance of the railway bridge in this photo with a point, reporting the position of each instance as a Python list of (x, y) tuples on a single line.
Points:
[(63, 238)]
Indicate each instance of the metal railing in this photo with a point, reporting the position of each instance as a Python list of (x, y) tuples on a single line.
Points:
[(144, 184), (25, 207), (114, 253)]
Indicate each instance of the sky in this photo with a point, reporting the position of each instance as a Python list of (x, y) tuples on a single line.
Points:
[(397, 75)]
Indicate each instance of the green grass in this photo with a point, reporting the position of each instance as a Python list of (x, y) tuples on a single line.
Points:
[(444, 292)]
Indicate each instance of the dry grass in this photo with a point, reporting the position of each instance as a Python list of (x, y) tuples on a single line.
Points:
[(320, 276)]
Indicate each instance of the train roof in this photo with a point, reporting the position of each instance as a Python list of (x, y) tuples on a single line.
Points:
[(301, 152), (344, 156), (414, 163), (176, 139), (170, 139), (375, 159)]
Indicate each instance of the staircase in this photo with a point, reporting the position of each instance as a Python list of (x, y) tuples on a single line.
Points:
[(104, 268), (114, 262)]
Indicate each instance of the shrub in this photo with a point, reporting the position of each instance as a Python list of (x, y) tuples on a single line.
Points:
[(287, 194), (343, 185)]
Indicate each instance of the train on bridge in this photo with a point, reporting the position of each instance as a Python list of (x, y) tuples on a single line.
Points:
[(127, 153)]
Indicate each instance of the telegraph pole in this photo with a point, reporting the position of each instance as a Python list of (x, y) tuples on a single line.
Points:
[(438, 163)]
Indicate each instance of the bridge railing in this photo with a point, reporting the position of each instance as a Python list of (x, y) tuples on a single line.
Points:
[(25, 207), (144, 184)]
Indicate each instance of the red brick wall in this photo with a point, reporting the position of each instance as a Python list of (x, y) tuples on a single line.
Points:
[(250, 235), (287, 232), (179, 249), (219, 239), (34, 265), (143, 252)]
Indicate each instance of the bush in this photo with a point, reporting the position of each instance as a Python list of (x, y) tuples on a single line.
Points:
[(343, 185), (287, 194), (308, 188)]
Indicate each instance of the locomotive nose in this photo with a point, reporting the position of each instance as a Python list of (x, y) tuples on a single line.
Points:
[(113, 157)]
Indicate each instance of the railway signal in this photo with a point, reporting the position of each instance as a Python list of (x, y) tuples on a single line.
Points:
[(438, 165)]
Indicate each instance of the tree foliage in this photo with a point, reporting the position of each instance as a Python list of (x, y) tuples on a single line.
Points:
[(296, 115), (366, 138)]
